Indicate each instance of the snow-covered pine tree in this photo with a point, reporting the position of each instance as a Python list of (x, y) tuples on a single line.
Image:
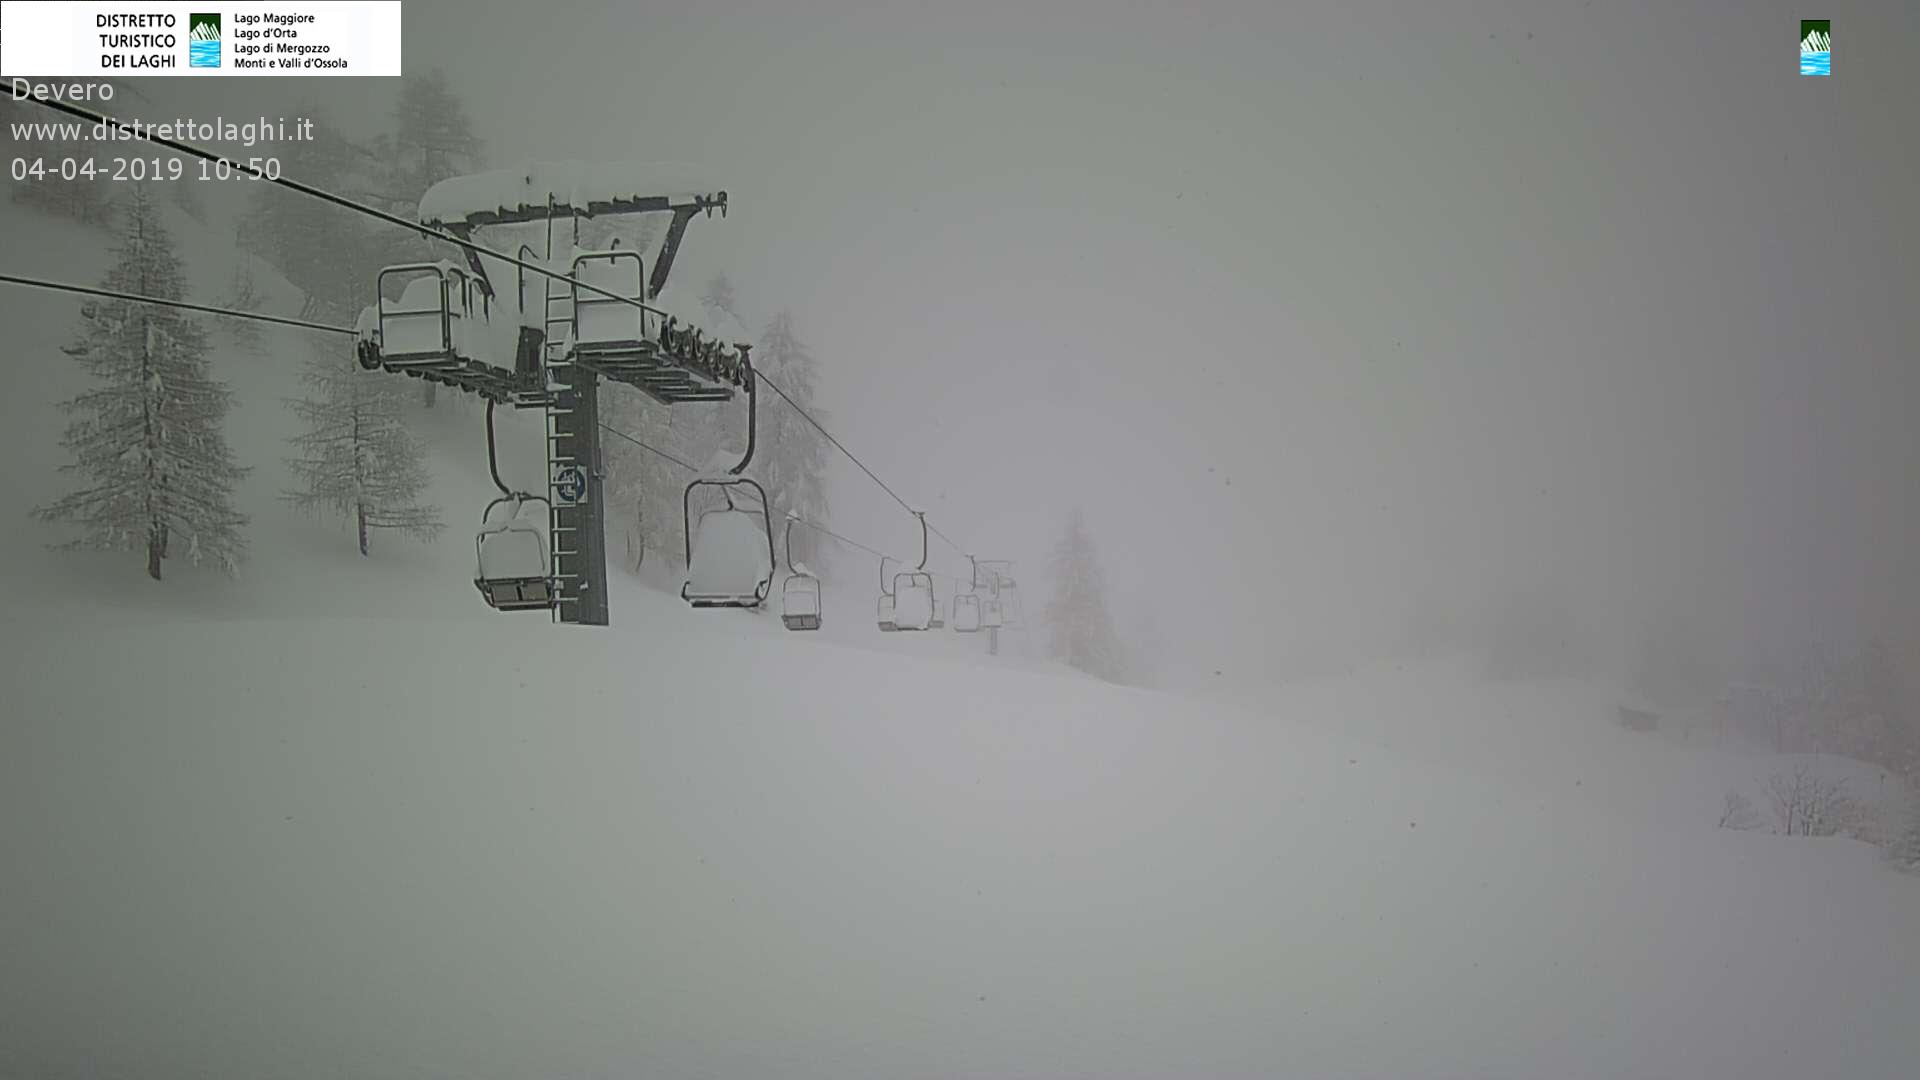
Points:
[(433, 138), (149, 438), (1081, 632), (322, 250), (357, 458), (243, 294), (792, 456), (1904, 849)]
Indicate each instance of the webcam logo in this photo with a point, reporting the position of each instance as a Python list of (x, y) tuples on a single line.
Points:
[(1816, 46), (203, 39)]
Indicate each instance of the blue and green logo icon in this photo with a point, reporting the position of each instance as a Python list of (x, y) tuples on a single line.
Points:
[(1816, 46), (203, 39)]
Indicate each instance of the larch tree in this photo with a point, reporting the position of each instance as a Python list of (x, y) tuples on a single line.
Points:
[(148, 438), (792, 456), (356, 456), (1079, 625)]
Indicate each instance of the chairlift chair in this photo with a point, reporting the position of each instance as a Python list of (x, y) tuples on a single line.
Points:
[(729, 550), (966, 609), (425, 329), (992, 615), (725, 567), (883, 610), (913, 603), (603, 325), (513, 569), (800, 593)]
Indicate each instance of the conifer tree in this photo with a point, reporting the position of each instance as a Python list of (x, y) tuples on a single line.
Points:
[(148, 440), (357, 457), (1080, 626), (792, 456), (321, 249)]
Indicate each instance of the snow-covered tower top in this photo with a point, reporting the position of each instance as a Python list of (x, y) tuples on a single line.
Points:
[(527, 192)]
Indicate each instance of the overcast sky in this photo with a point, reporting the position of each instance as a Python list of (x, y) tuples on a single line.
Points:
[(1323, 312)]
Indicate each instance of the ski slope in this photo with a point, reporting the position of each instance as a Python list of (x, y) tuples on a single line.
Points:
[(335, 819)]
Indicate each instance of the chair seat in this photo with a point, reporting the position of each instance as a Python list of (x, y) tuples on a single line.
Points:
[(516, 594)]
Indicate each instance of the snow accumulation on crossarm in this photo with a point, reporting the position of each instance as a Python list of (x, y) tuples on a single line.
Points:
[(573, 186)]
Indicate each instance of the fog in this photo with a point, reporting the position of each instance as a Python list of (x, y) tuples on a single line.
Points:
[(1336, 319)]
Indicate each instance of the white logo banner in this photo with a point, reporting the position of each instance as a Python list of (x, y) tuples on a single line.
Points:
[(208, 38)]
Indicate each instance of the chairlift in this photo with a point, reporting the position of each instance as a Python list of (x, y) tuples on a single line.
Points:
[(800, 593), (724, 545), (426, 328), (1000, 605), (993, 614), (884, 609), (729, 549), (514, 572), (913, 602), (914, 607), (513, 568), (966, 605), (604, 325)]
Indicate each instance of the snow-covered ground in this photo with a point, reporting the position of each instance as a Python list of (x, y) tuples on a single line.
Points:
[(337, 820)]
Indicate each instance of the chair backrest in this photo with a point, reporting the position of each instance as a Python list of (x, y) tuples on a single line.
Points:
[(730, 555), (966, 613), (513, 549), (800, 595), (413, 324), (992, 616), (912, 601), (884, 609), (598, 318)]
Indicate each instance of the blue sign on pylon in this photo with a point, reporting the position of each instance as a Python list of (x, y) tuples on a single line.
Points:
[(569, 485)]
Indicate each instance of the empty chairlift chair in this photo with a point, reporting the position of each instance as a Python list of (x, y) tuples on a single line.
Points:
[(729, 550), (910, 600), (992, 614), (913, 603), (514, 570), (800, 593), (426, 328), (602, 325), (883, 610), (966, 612)]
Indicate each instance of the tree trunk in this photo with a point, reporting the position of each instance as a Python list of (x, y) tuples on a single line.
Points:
[(360, 512), (155, 546), (637, 536), (165, 533)]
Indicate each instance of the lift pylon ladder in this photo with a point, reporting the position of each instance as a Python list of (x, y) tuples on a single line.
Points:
[(574, 479)]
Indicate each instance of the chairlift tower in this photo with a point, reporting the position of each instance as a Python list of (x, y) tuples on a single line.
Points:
[(459, 326)]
